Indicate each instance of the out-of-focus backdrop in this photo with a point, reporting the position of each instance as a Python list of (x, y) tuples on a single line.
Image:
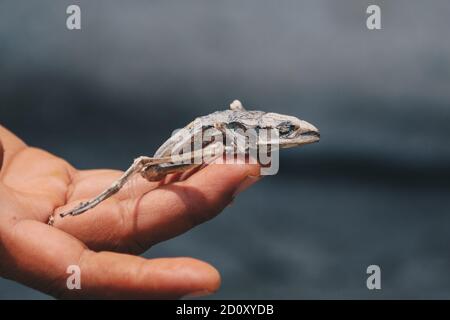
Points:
[(375, 190)]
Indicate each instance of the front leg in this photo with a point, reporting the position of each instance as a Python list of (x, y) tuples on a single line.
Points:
[(157, 173)]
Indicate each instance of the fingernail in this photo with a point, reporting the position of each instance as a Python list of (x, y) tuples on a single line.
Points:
[(196, 294), (247, 183)]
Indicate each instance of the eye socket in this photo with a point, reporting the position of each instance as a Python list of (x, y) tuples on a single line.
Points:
[(286, 129)]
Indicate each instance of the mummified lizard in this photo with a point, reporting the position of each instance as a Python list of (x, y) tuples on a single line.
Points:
[(230, 124)]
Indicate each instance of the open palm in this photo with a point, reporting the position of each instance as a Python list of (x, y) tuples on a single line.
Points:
[(35, 184)]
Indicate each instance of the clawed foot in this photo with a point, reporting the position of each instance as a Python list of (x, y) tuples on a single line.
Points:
[(75, 211)]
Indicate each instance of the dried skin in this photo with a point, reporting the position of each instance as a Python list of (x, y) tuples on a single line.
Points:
[(230, 123)]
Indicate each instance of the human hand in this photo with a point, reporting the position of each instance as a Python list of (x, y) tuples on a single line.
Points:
[(35, 184)]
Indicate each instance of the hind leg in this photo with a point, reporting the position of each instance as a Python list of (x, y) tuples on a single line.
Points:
[(136, 167), (206, 155)]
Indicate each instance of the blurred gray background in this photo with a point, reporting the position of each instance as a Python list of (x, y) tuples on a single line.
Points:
[(375, 190)]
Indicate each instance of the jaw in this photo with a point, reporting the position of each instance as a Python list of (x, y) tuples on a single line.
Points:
[(300, 140)]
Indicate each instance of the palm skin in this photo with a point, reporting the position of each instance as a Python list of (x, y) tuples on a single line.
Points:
[(35, 184)]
